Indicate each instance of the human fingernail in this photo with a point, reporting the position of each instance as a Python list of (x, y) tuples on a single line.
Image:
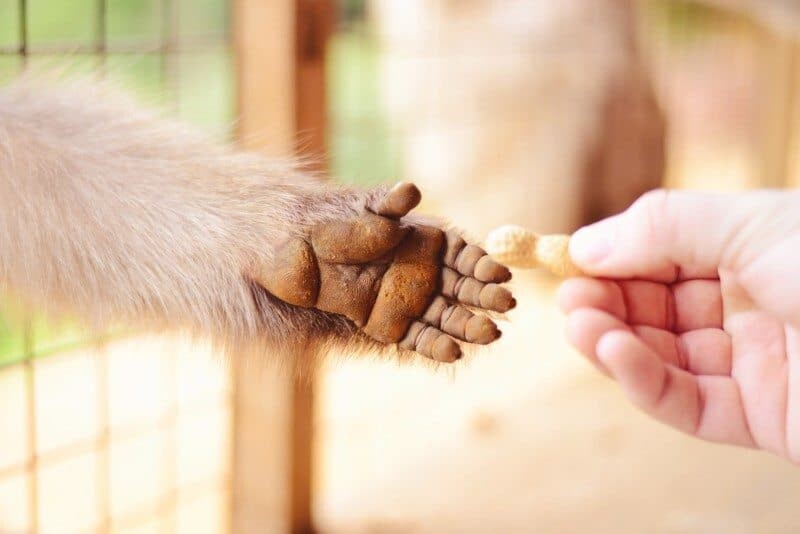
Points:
[(590, 245)]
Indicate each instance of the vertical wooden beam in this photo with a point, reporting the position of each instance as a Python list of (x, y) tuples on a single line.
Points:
[(280, 47), (780, 63), (264, 39), (264, 405), (264, 413), (313, 27)]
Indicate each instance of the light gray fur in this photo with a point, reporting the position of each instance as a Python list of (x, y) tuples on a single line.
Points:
[(115, 214)]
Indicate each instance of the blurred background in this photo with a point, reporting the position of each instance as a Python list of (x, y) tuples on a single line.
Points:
[(546, 114)]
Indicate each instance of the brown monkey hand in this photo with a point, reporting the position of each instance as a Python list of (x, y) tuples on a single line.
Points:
[(397, 281)]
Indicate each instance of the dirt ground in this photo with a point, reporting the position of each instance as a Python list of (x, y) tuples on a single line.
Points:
[(526, 438)]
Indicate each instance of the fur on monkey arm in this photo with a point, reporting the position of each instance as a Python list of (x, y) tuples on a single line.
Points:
[(112, 213)]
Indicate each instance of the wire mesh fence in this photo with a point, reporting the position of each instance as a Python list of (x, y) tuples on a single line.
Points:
[(117, 432)]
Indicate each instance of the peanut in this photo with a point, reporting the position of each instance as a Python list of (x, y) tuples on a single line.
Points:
[(519, 247)]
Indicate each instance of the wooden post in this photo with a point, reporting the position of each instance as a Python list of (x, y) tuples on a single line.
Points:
[(314, 25), (264, 42), (779, 100), (280, 48)]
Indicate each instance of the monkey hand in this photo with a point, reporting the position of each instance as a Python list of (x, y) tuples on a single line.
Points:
[(397, 280)]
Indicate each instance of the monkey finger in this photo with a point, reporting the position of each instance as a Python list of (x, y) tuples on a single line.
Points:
[(472, 292), (460, 323), (430, 342), (488, 270), (398, 201), (472, 260)]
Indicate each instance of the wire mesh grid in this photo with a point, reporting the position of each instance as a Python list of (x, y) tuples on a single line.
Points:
[(71, 420)]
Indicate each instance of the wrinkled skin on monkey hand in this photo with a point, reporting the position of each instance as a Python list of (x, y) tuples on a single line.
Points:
[(398, 281)]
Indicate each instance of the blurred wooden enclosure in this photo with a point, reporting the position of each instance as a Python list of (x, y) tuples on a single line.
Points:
[(552, 114), (544, 113), (726, 72)]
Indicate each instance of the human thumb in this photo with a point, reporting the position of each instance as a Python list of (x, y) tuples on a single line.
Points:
[(664, 234)]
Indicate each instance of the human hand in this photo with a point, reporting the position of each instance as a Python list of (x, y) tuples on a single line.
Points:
[(695, 312), (398, 280)]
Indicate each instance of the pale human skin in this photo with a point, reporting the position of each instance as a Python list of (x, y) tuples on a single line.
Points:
[(692, 306)]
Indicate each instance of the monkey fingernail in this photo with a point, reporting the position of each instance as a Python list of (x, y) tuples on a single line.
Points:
[(401, 199), (488, 270), (481, 330), (496, 298), (446, 350), (430, 342)]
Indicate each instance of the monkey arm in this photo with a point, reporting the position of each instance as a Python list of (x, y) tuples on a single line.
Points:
[(114, 214)]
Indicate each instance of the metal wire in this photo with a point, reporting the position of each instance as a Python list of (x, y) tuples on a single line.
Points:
[(23, 30), (169, 47)]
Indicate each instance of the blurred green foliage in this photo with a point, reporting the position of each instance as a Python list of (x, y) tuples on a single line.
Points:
[(683, 22), (363, 147), (351, 11), (12, 334), (199, 89)]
